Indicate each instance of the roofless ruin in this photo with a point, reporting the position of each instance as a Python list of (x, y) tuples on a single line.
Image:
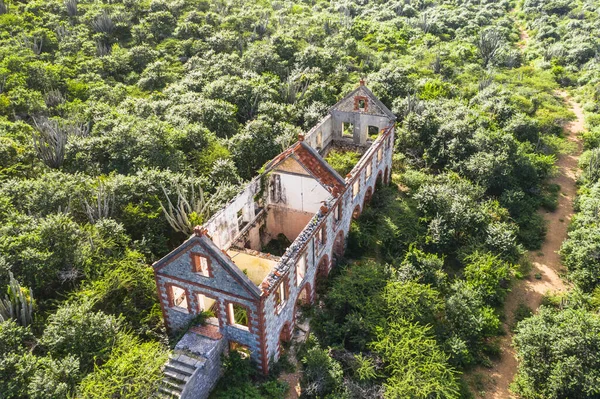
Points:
[(261, 255)]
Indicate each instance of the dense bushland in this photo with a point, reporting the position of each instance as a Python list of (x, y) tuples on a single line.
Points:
[(557, 347), (111, 110)]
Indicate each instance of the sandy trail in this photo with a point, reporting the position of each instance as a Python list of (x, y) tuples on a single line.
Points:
[(523, 38), (546, 262)]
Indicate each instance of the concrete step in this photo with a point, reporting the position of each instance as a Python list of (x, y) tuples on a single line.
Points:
[(187, 361), (175, 375), (173, 384), (179, 367), (169, 393)]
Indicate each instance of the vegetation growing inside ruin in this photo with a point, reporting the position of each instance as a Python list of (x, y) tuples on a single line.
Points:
[(277, 246), (342, 161), (108, 106)]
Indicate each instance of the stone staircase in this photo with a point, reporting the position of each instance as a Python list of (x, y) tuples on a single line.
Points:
[(194, 366), (177, 372)]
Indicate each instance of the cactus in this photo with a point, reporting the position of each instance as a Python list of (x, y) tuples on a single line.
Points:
[(488, 44), (102, 207), (17, 303), (71, 6), (103, 23), (186, 214), (592, 170), (50, 139)]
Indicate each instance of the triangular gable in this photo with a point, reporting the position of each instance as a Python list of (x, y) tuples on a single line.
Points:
[(292, 165), (374, 106), (313, 163), (170, 266)]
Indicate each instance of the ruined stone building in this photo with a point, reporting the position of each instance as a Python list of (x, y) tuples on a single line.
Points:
[(299, 209)]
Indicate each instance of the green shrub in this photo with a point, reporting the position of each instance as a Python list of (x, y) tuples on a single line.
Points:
[(77, 330), (133, 370), (322, 375), (342, 161), (559, 354), (416, 366), (488, 275)]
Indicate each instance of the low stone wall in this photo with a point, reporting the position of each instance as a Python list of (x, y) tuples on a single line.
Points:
[(206, 376)]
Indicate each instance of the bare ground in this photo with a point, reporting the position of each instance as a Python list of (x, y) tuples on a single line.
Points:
[(546, 263), (524, 38)]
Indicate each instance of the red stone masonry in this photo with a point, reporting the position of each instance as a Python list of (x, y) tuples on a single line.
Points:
[(207, 330), (357, 101)]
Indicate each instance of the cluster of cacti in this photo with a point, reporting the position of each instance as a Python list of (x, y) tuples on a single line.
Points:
[(17, 303), (488, 45), (71, 6), (592, 170), (102, 208), (103, 24), (50, 140), (186, 214)]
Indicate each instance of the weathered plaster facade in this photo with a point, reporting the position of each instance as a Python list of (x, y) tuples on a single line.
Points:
[(298, 195)]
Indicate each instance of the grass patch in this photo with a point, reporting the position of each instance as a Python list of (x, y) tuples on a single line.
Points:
[(342, 161)]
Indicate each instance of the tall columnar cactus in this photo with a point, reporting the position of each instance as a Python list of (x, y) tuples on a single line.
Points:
[(189, 211), (50, 139), (17, 303)]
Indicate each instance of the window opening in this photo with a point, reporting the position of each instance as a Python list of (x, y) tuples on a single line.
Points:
[(300, 269), (243, 350), (179, 298), (238, 315), (280, 296), (200, 264)]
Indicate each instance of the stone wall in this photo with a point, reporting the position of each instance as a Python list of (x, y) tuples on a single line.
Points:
[(322, 140), (227, 284), (206, 376), (277, 319), (240, 221)]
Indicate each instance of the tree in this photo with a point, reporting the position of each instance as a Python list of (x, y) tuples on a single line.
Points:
[(353, 307), (13, 337), (470, 321), (133, 370), (422, 267), (580, 253), (413, 302), (559, 355), (488, 275), (416, 365), (322, 375), (157, 75), (126, 290), (75, 329), (44, 252), (54, 378), (258, 139), (488, 45)]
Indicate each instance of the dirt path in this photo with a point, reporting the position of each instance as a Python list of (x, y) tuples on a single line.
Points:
[(293, 379), (546, 270), (523, 38)]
